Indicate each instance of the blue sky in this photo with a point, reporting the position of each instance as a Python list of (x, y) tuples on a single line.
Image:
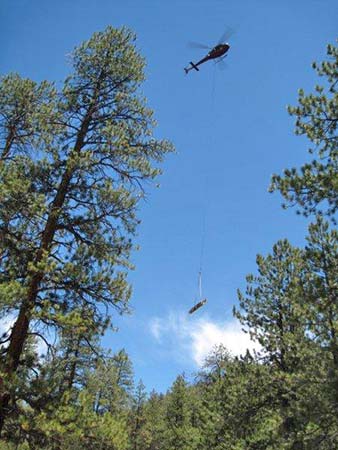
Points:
[(231, 132)]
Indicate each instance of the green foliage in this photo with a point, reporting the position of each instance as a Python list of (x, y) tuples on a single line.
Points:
[(181, 431), (151, 436), (25, 106), (274, 305), (111, 384), (76, 425), (73, 168), (75, 399), (137, 417)]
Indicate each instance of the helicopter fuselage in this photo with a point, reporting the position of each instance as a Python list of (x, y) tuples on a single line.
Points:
[(216, 52)]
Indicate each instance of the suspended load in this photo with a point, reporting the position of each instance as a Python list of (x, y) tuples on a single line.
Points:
[(197, 306)]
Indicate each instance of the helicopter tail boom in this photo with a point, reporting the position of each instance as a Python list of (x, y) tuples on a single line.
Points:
[(193, 66)]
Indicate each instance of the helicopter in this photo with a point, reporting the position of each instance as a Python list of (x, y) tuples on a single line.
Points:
[(218, 52)]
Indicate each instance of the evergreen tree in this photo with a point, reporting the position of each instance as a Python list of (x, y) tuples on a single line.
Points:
[(154, 428), (137, 417), (111, 384), (68, 213), (273, 309), (92, 412), (275, 312), (321, 252), (181, 434), (314, 190), (291, 310), (238, 403), (75, 425)]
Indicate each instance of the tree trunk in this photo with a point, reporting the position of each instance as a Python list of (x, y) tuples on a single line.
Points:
[(9, 141), (21, 326)]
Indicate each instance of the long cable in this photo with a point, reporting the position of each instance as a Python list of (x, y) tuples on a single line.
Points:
[(212, 107)]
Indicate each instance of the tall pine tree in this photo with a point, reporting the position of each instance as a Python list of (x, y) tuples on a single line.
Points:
[(69, 209)]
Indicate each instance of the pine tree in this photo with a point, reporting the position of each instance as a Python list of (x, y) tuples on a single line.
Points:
[(69, 212), (238, 405), (273, 309), (154, 428), (111, 384), (75, 425), (321, 253), (314, 190), (275, 312), (137, 417), (181, 433)]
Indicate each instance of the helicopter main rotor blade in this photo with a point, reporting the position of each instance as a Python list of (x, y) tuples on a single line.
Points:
[(193, 44), (228, 32)]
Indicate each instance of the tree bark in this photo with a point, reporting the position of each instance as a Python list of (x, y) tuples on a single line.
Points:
[(9, 141)]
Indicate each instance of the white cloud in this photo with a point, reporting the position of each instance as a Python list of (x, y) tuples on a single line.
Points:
[(156, 328), (196, 338), (207, 334)]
